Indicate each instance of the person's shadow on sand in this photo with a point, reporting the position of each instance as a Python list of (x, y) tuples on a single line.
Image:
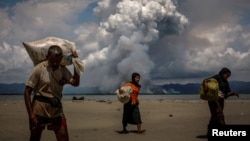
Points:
[(131, 131), (201, 136)]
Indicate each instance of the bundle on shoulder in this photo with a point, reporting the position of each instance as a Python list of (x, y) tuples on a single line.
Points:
[(209, 89)]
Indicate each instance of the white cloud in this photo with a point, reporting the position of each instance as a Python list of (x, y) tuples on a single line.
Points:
[(210, 54), (33, 20)]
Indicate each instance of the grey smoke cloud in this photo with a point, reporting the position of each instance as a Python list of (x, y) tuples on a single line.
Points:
[(124, 36)]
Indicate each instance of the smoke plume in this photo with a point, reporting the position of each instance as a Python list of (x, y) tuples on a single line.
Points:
[(121, 42)]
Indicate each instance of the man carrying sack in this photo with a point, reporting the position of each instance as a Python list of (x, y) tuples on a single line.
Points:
[(46, 81)]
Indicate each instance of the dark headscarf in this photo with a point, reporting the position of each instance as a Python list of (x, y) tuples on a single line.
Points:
[(224, 71), (133, 79), (223, 83)]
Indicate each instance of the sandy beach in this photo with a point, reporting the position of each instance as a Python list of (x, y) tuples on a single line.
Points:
[(172, 120)]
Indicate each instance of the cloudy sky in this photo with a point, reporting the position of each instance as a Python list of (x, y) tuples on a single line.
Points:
[(166, 41)]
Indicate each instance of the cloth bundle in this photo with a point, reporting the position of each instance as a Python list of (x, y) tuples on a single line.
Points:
[(209, 90), (38, 50), (124, 97)]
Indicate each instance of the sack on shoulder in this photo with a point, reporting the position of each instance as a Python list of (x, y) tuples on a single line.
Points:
[(209, 89), (37, 50)]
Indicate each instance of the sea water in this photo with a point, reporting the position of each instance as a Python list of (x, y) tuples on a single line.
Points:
[(112, 97)]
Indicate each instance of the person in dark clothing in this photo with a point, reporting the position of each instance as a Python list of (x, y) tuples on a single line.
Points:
[(216, 107), (131, 112)]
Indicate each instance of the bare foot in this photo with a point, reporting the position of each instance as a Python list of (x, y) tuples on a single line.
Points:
[(141, 131), (124, 131)]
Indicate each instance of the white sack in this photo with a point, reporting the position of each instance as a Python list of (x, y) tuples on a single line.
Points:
[(38, 50), (125, 96)]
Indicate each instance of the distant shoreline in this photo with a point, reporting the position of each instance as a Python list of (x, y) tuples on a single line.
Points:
[(113, 97)]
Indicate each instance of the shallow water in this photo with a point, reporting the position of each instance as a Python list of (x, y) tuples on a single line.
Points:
[(141, 97)]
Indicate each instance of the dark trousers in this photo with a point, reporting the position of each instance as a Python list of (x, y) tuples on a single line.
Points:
[(217, 118)]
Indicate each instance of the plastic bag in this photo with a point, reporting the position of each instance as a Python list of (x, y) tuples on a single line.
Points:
[(38, 50), (125, 96)]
